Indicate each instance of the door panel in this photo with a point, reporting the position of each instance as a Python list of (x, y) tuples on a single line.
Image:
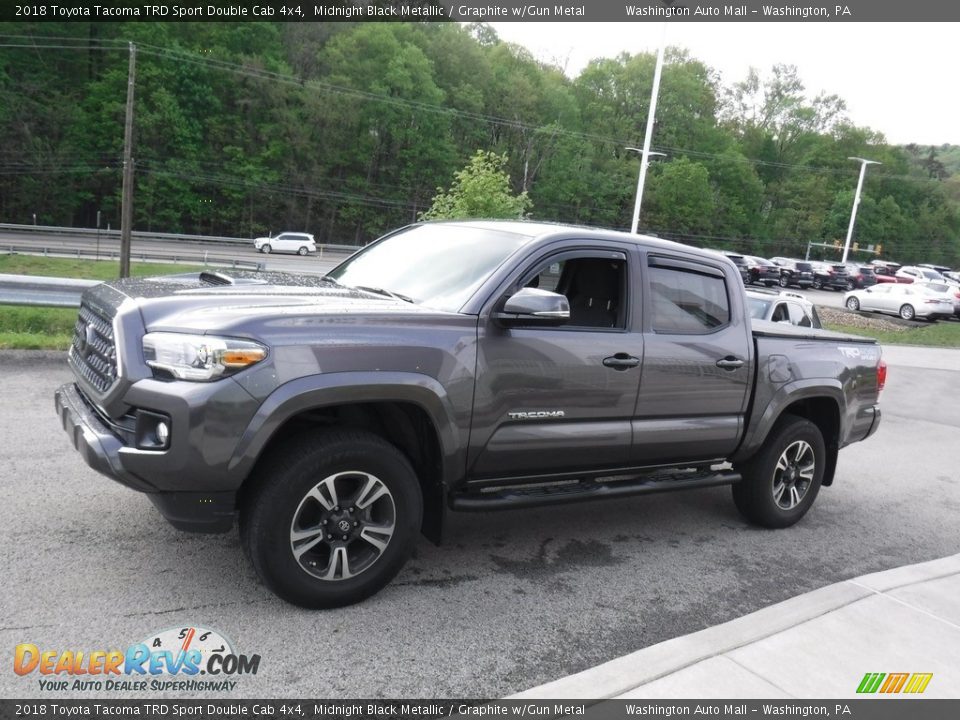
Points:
[(552, 371), (545, 401), (688, 406)]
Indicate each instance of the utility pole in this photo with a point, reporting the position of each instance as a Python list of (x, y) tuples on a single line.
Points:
[(856, 202), (126, 207), (645, 152)]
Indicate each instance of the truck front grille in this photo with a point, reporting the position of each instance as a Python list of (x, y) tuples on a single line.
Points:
[(94, 350)]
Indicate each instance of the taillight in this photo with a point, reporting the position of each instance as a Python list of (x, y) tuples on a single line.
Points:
[(881, 375)]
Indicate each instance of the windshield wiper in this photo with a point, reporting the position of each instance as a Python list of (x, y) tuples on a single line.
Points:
[(384, 291)]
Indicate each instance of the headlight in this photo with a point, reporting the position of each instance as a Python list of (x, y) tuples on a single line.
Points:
[(199, 357)]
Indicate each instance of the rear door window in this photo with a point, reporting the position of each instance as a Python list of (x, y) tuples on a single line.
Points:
[(687, 297)]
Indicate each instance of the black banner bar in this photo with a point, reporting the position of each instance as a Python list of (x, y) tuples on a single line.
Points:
[(483, 11), (733, 709)]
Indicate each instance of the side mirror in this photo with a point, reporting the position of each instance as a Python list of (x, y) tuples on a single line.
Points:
[(532, 307)]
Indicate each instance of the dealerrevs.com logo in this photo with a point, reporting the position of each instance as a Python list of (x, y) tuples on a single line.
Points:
[(172, 660)]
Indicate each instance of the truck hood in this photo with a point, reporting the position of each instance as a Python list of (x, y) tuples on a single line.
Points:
[(197, 302)]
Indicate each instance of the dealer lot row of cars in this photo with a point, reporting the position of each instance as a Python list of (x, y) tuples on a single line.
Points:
[(927, 292)]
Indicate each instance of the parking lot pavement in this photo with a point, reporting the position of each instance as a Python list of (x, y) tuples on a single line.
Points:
[(815, 645), (510, 601)]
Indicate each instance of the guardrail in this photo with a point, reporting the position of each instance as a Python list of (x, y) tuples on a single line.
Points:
[(145, 236), (42, 291), (110, 254)]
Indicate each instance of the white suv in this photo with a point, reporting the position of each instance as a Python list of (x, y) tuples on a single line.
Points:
[(293, 242)]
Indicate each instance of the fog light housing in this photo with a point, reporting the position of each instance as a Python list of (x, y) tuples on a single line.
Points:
[(153, 430)]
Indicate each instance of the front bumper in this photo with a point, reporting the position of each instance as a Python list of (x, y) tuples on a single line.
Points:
[(103, 451)]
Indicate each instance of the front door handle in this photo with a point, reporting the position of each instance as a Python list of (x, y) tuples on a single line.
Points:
[(621, 361), (730, 363)]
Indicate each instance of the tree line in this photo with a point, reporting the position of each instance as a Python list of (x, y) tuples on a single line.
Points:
[(346, 130)]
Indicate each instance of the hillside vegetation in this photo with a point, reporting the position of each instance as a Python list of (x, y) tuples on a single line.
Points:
[(345, 130)]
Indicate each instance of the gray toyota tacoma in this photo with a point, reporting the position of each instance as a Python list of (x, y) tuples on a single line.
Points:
[(456, 366)]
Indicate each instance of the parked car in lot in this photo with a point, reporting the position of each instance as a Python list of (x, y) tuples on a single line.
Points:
[(907, 301), (886, 271), (761, 271), (828, 276), (915, 273), (948, 290), (952, 276), (742, 265), (783, 307), (794, 273), (860, 276), (458, 366), (287, 242)]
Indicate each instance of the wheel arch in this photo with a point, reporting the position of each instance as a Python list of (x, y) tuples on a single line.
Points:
[(812, 400), (412, 413)]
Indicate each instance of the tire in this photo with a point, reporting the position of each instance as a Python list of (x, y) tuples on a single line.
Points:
[(349, 481), (265, 249), (784, 281), (851, 285), (302, 251), (907, 312), (765, 496), (853, 304), (817, 285)]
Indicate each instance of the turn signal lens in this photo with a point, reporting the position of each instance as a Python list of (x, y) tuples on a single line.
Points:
[(242, 358)]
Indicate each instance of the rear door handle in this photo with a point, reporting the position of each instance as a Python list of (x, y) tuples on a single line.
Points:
[(621, 361), (730, 363)]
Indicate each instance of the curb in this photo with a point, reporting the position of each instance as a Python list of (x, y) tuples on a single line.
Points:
[(623, 674), (23, 358)]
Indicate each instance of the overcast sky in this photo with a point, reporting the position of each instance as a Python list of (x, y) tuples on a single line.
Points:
[(900, 79)]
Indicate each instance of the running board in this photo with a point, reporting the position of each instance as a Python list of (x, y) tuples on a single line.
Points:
[(525, 497)]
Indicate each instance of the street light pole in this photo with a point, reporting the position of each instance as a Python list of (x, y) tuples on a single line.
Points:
[(644, 161), (645, 153), (856, 202)]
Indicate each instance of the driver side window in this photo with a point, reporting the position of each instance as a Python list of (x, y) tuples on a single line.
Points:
[(595, 287)]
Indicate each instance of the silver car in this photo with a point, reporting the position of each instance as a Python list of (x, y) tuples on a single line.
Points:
[(908, 301), (947, 290), (785, 306)]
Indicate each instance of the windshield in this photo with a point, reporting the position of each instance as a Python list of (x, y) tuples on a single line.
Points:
[(439, 265), (758, 308)]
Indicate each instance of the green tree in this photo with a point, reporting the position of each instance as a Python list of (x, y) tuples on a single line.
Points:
[(480, 190)]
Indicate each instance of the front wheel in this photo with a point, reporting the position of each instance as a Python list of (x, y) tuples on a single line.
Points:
[(784, 281), (782, 480), (907, 312), (265, 249), (853, 304), (331, 517), (817, 285)]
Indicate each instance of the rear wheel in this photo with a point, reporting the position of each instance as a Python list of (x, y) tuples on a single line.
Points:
[(302, 251), (265, 249), (784, 281), (907, 312), (331, 517), (782, 480), (853, 304), (851, 285), (817, 285)]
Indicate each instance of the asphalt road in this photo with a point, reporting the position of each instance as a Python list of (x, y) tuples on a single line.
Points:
[(512, 600), (161, 251)]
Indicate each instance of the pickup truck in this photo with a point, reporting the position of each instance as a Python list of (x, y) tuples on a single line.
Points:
[(453, 366)]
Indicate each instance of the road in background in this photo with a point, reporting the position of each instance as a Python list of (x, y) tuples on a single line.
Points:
[(513, 599), (168, 251)]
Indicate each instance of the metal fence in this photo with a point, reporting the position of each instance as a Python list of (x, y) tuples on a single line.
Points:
[(140, 235)]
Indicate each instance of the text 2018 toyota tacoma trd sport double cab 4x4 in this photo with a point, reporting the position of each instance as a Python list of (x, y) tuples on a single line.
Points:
[(453, 366)]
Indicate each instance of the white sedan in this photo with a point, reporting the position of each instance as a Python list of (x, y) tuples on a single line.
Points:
[(907, 301)]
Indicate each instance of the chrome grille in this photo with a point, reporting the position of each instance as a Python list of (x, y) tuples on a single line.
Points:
[(94, 350)]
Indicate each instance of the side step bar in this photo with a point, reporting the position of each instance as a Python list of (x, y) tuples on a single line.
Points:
[(524, 497)]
